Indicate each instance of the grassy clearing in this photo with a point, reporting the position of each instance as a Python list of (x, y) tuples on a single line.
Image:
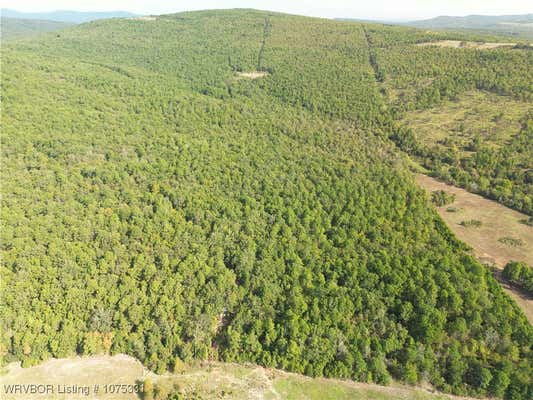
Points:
[(498, 230), (458, 44), (252, 75), (79, 371), (481, 142), (145, 18), (294, 387), (494, 222), (203, 381), (492, 118)]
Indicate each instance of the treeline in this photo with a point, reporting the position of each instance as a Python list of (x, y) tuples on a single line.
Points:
[(422, 76), (503, 173), (146, 215), (520, 274), (390, 36)]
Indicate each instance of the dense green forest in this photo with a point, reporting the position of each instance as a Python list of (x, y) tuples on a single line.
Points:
[(158, 204)]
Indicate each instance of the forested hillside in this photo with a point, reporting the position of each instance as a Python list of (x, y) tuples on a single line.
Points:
[(158, 204), (415, 78), (510, 25)]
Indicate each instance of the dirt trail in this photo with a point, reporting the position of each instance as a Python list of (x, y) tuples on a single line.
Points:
[(497, 222), (267, 28)]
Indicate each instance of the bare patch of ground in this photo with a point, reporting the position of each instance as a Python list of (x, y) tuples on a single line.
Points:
[(497, 221), (145, 18), (458, 44), (252, 75)]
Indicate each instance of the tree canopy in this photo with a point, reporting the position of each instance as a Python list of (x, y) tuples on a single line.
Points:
[(156, 204)]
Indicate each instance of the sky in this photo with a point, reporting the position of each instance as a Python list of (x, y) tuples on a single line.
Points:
[(368, 9)]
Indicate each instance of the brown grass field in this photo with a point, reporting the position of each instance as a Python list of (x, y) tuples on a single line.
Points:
[(497, 222), (204, 381)]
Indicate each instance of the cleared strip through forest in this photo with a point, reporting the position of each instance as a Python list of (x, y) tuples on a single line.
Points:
[(371, 58), (266, 33)]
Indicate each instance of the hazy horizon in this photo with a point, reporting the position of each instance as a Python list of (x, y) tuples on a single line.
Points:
[(378, 10)]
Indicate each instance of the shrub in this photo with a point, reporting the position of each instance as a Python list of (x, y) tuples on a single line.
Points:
[(441, 198), (471, 223), (511, 241)]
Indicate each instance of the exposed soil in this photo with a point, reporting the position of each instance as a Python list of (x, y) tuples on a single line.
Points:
[(252, 75), (146, 18)]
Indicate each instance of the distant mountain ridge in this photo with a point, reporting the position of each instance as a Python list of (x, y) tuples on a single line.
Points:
[(514, 25), (15, 28), (473, 21), (76, 17)]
